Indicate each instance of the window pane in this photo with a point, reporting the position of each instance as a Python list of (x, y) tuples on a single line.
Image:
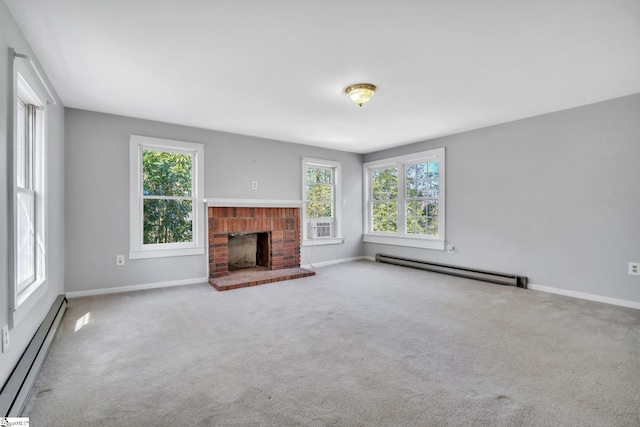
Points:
[(319, 210), (21, 147), (416, 208), (167, 221), (421, 213), (385, 216), (166, 174), (432, 208), (320, 201), (416, 217), (422, 217), (416, 188), (25, 243), (423, 180), (319, 175), (433, 179), (384, 183), (432, 226), (320, 193), (416, 225)]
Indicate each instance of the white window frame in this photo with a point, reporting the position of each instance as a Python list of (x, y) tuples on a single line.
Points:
[(401, 237), (29, 88), (139, 250), (336, 168), (26, 188)]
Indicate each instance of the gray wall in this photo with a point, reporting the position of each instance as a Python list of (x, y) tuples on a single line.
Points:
[(97, 202), (554, 197), (19, 337)]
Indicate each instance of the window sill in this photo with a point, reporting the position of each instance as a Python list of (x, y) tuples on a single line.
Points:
[(27, 300), (323, 241), (411, 242), (164, 253)]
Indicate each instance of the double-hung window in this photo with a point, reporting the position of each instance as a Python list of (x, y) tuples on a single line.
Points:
[(321, 196), (25, 216), (405, 200), (166, 197), (29, 187)]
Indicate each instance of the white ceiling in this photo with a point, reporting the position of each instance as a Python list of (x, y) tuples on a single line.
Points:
[(277, 69)]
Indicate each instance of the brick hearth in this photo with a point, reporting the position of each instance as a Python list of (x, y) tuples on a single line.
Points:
[(283, 227), (259, 276)]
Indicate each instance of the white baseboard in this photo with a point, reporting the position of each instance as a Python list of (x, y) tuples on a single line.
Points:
[(336, 261), (582, 295), (131, 288)]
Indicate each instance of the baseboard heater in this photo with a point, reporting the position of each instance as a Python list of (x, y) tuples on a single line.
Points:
[(15, 392), (486, 276)]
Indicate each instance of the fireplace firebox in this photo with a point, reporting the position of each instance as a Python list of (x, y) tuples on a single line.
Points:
[(248, 250)]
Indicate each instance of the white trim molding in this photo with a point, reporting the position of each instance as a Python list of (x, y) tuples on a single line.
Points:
[(143, 287), (28, 302), (582, 295), (252, 203), (323, 242), (407, 241), (336, 261)]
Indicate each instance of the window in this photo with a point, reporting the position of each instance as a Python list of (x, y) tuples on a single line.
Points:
[(167, 207), (321, 196), (25, 195), (28, 179), (405, 200), (384, 184)]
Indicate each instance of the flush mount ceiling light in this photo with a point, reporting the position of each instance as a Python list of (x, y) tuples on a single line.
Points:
[(360, 92)]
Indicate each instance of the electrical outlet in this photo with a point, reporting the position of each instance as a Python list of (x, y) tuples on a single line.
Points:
[(634, 268), (120, 260), (5, 338), (254, 185)]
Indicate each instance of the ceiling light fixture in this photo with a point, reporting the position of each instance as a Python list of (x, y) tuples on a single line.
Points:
[(360, 92)]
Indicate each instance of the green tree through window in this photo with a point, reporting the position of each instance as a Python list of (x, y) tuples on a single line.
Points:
[(405, 200), (422, 182), (167, 197), (319, 192), (321, 202), (385, 199)]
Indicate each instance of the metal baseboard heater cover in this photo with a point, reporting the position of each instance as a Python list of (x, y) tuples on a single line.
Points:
[(470, 273), (15, 392)]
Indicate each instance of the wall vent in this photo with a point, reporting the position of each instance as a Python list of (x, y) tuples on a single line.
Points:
[(320, 230)]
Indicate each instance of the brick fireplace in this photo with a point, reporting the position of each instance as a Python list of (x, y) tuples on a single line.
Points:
[(281, 225)]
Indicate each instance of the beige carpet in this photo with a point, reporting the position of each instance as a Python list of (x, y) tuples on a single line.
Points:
[(359, 344)]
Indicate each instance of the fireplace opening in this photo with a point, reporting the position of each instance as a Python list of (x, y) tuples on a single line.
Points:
[(248, 250)]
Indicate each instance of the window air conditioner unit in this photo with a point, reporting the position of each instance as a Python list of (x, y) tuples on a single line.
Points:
[(321, 230)]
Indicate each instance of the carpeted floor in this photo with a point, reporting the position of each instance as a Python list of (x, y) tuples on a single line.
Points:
[(359, 344)]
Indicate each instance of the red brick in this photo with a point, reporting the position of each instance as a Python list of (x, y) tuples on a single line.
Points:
[(283, 225)]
